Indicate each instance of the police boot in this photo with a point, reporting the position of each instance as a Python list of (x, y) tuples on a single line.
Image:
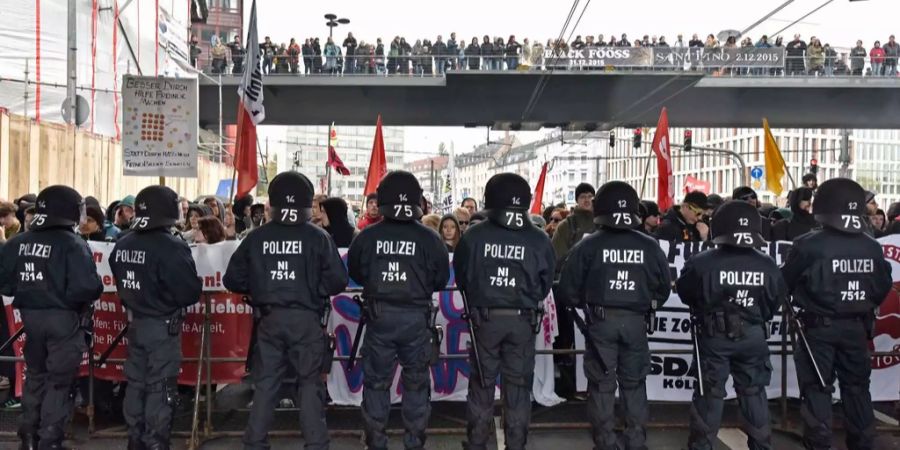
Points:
[(158, 446), (29, 441), (136, 444)]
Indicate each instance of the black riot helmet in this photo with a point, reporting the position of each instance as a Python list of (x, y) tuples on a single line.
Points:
[(57, 206), (400, 196), (507, 191), (290, 198), (155, 207), (507, 198), (840, 204), (737, 223), (617, 206)]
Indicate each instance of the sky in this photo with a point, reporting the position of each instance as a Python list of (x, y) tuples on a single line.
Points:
[(840, 23)]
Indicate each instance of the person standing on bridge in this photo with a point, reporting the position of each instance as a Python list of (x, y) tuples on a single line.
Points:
[(876, 56), (858, 59), (512, 53), (732, 291), (891, 53)]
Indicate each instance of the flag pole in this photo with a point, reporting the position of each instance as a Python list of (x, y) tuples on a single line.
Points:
[(787, 170), (328, 152)]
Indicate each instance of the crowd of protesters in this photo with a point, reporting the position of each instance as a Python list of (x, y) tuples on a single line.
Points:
[(426, 56), (211, 220)]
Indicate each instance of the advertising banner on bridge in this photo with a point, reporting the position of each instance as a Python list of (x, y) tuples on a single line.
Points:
[(601, 57), (668, 57), (231, 323), (159, 118)]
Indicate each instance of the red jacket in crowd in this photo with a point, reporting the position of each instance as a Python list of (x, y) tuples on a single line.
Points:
[(367, 220)]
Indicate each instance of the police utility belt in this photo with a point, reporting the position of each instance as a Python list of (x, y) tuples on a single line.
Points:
[(534, 316), (373, 308), (593, 313), (727, 324), (173, 321), (811, 320)]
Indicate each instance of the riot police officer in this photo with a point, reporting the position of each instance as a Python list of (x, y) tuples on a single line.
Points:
[(400, 263), (156, 279), (50, 272), (619, 276), (837, 276), (505, 267), (290, 268), (732, 291)]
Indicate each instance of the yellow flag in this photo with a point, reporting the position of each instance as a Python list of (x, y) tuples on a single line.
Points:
[(774, 162)]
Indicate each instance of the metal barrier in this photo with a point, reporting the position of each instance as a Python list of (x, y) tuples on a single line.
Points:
[(742, 62), (206, 360)]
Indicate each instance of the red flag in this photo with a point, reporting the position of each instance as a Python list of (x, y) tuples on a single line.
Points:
[(377, 163), (251, 113), (537, 201), (666, 181), (335, 162), (692, 184)]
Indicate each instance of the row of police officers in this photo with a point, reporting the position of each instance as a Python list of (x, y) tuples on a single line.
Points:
[(616, 278)]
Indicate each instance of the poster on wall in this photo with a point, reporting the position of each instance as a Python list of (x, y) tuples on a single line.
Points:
[(159, 136)]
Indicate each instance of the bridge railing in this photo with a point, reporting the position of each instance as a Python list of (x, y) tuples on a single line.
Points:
[(744, 62)]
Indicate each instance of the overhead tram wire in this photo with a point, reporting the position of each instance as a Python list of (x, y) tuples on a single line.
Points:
[(547, 78), (542, 81), (804, 17), (685, 88)]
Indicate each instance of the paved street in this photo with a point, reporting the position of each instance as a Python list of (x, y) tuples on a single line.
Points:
[(560, 427)]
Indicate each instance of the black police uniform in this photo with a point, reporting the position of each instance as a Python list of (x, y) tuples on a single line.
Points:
[(156, 279), (50, 272), (617, 275), (837, 276), (400, 263), (290, 268), (506, 268), (733, 291)]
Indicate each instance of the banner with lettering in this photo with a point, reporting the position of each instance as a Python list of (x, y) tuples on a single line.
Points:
[(671, 377), (231, 326), (159, 132)]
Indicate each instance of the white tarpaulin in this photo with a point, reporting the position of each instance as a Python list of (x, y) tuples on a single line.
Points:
[(33, 47), (159, 135)]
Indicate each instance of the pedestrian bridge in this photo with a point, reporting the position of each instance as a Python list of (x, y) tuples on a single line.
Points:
[(578, 100)]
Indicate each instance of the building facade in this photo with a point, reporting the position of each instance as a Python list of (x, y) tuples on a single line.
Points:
[(225, 20), (432, 173), (871, 157), (306, 149)]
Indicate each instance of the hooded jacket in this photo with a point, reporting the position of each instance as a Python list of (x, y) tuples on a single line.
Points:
[(338, 227), (441, 230), (800, 223)]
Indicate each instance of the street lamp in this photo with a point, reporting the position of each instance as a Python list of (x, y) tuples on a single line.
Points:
[(333, 21)]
